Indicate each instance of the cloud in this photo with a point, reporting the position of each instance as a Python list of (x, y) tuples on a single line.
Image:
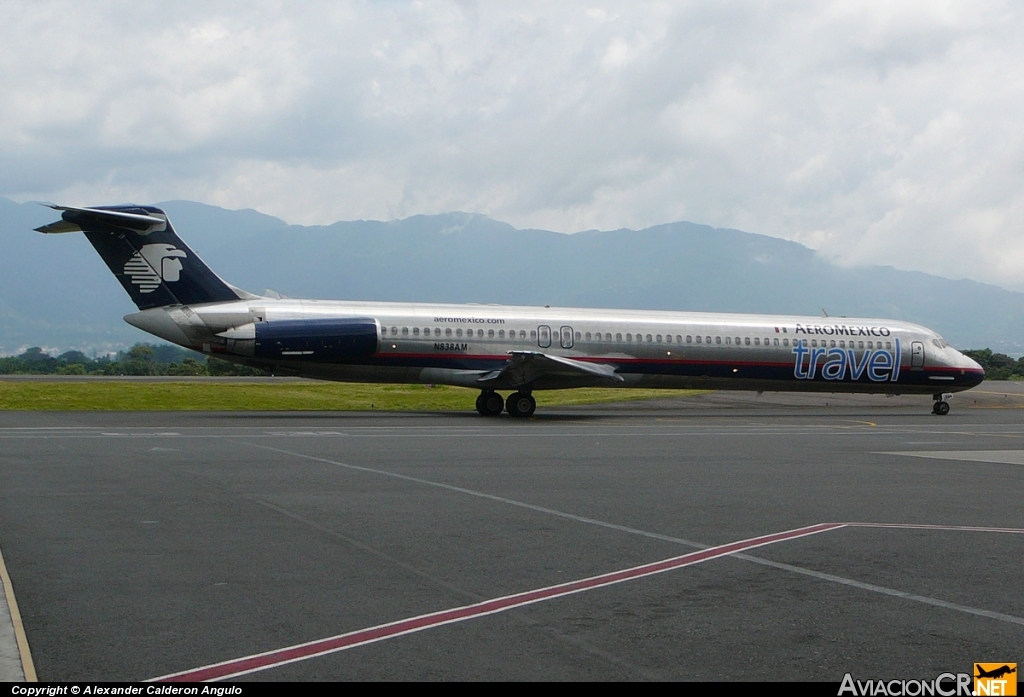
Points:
[(876, 132)]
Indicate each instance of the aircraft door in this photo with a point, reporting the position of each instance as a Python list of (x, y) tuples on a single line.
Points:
[(917, 355), (544, 336), (566, 338)]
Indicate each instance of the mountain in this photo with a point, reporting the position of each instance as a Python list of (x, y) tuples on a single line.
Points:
[(55, 291)]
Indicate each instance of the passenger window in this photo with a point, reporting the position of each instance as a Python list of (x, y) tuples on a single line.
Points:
[(689, 339), (618, 337), (648, 337), (458, 332), (679, 339), (629, 337), (668, 338), (447, 331), (415, 331), (718, 339), (501, 333), (832, 344), (728, 340), (842, 344), (757, 341), (565, 337), (870, 344), (658, 338), (405, 331), (888, 345), (533, 334), (776, 341), (588, 336), (860, 344), (394, 331), (490, 333), (578, 336), (698, 339), (785, 342)]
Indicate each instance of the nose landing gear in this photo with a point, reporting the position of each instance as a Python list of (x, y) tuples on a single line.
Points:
[(941, 407)]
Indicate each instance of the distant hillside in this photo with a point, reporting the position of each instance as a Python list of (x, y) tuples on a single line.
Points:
[(55, 291)]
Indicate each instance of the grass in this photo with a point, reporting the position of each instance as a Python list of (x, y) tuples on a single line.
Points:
[(292, 396)]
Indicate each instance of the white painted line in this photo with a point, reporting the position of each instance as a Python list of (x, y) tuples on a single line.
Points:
[(1002, 617), (1001, 457), (341, 642), (922, 526)]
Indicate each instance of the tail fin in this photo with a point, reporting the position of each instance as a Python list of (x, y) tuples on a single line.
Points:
[(141, 248)]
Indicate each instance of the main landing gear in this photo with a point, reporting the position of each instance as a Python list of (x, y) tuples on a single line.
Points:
[(941, 407), (489, 404), (517, 404)]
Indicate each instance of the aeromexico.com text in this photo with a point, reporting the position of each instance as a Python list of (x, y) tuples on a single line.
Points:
[(468, 320)]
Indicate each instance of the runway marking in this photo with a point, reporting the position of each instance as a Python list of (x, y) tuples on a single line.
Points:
[(28, 669), (1005, 394), (1000, 457), (678, 540), (482, 495), (921, 526), (1002, 617), (341, 642)]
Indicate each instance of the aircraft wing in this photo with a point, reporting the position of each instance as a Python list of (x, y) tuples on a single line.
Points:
[(526, 366)]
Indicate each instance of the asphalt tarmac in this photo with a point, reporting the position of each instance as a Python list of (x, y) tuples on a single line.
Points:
[(146, 544)]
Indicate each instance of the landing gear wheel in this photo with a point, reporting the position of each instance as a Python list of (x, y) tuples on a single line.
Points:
[(520, 404), (489, 404), (941, 408)]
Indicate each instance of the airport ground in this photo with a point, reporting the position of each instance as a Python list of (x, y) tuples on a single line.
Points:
[(141, 544)]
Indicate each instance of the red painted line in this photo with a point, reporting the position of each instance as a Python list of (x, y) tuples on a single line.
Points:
[(300, 652), (910, 526)]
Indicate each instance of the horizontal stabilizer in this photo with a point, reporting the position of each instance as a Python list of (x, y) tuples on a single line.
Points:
[(73, 219), (526, 366)]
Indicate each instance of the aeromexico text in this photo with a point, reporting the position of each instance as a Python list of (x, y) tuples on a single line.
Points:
[(842, 330)]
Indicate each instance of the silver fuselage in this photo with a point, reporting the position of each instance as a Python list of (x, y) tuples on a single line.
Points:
[(456, 344)]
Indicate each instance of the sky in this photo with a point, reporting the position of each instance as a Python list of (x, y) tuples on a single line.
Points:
[(876, 132)]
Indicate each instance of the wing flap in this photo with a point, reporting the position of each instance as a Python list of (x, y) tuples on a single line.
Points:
[(524, 367)]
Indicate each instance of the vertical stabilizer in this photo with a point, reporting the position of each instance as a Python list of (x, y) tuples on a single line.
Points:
[(141, 248)]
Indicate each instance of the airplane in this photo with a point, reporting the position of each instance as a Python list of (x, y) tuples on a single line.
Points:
[(994, 673), (495, 348)]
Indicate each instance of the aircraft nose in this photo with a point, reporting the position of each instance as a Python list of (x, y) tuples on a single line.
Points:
[(973, 373)]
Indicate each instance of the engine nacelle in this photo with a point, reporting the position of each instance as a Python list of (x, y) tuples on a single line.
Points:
[(323, 340)]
